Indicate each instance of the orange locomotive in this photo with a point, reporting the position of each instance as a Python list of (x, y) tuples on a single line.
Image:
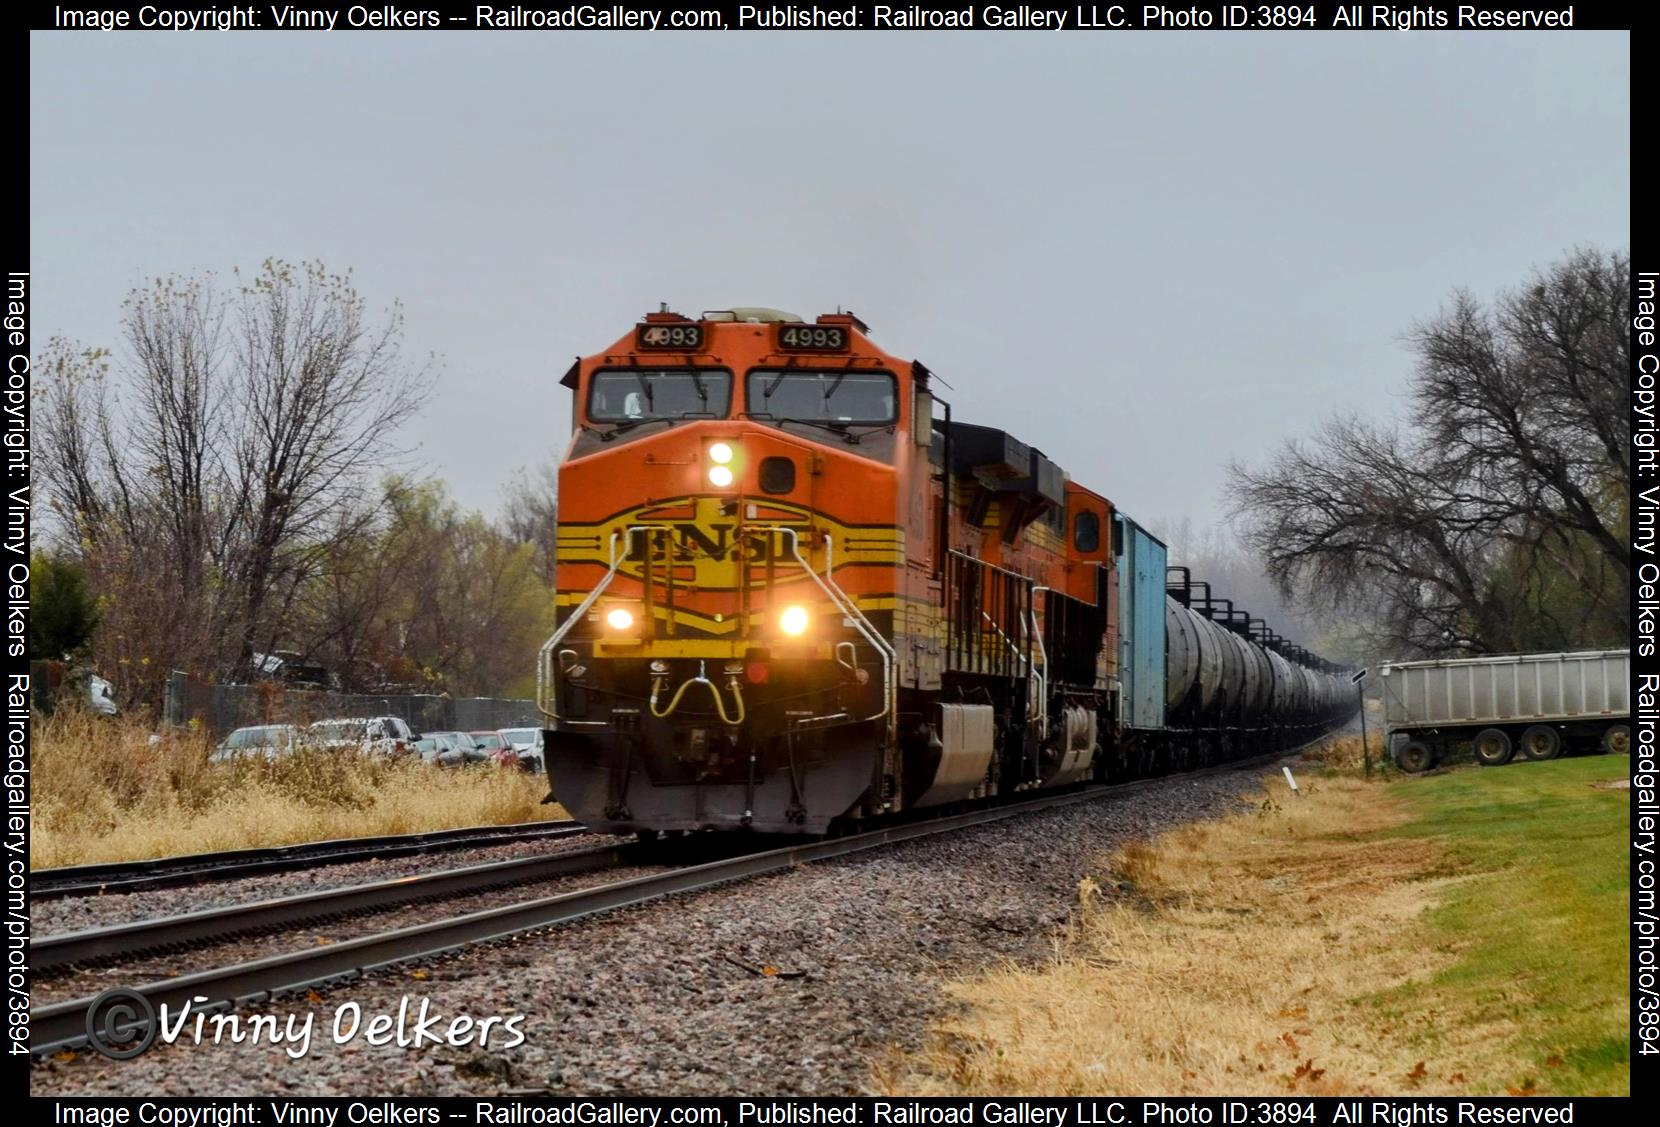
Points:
[(788, 594)]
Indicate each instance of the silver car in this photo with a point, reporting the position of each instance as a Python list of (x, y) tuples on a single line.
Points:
[(264, 741), (370, 735), (450, 749)]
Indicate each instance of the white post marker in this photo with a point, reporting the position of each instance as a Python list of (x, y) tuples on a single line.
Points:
[(1292, 781)]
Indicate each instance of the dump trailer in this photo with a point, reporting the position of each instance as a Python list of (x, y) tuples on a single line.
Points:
[(1537, 705)]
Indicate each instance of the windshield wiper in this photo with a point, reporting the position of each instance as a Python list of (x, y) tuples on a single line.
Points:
[(834, 425), (630, 424), (772, 384)]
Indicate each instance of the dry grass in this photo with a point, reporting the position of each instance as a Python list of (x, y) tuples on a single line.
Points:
[(103, 792), (1246, 956), (1343, 755)]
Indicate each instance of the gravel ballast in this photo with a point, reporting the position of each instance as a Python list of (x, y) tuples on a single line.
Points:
[(787, 984)]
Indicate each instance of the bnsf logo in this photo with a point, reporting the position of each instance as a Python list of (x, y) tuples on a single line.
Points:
[(716, 541)]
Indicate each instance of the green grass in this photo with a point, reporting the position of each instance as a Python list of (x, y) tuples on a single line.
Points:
[(1539, 925)]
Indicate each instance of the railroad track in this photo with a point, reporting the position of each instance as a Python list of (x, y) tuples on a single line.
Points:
[(196, 868), (171, 933), (66, 1024)]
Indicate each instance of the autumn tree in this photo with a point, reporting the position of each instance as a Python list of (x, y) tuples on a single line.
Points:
[(531, 513), (431, 598)]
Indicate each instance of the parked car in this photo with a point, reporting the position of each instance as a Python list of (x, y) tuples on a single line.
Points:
[(263, 741), (437, 750), (370, 735), (527, 744), (450, 749), (499, 746)]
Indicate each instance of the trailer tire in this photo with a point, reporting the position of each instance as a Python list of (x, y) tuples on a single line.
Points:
[(1541, 742), (1492, 747), (1617, 739), (1416, 756)]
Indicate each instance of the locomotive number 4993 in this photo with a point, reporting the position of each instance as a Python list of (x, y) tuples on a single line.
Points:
[(684, 337), (813, 338)]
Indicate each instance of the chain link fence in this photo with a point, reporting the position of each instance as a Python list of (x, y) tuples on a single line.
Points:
[(224, 708)]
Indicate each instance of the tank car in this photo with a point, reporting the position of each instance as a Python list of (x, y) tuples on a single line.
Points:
[(791, 590)]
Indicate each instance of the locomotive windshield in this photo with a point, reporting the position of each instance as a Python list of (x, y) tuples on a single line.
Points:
[(638, 394), (823, 395)]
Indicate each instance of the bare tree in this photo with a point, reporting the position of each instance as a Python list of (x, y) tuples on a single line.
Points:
[(173, 331), (206, 474), (531, 514), (1456, 534), (1525, 402), (1358, 512), (320, 395), (70, 404)]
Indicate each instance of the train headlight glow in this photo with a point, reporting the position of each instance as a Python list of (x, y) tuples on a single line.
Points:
[(793, 621), (720, 453), (619, 618), (720, 476)]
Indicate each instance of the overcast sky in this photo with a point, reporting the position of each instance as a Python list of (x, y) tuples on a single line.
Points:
[(1145, 255)]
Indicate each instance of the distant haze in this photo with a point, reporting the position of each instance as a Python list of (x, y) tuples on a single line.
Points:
[(1144, 254)]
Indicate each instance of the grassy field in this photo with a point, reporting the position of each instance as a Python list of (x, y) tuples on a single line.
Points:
[(1455, 933), (1542, 951), (101, 791)]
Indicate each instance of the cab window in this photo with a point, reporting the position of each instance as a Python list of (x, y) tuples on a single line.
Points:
[(1086, 532), (821, 395), (683, 393)]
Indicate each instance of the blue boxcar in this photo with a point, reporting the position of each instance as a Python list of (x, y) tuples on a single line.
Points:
[(1140, 625)]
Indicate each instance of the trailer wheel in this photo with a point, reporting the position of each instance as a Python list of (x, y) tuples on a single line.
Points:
[(1617, 739), (1541, 742), (1416, 756), (1492, 747)]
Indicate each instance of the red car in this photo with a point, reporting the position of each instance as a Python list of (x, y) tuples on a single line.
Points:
[(498, 746)]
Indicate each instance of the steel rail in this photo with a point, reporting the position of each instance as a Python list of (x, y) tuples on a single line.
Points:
[(193, 928), (66, 1024), (191, 868)]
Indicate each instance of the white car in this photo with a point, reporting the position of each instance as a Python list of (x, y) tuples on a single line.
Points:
[(370, 735), (527, 744), (267, 741)]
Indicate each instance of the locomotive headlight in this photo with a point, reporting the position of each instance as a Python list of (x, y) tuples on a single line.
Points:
[(619, 619), (793, 621), (722, 471)]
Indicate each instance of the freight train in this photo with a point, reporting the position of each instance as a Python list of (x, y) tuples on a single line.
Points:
[(793, 592)]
